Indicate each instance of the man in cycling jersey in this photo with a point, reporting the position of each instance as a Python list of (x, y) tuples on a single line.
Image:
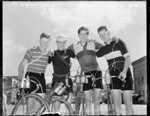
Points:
[(85, 51), (118, 59), (37, 60), (60, 60)]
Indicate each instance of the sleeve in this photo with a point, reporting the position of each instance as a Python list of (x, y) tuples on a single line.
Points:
[(101, 52), (71, 53), (71, 48), (97, 45), (28, 55), (50, 59), (123, 48)]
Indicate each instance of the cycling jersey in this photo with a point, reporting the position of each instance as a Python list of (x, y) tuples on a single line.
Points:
[(86, 54), (59, 66), (38, 66), (114, 53)]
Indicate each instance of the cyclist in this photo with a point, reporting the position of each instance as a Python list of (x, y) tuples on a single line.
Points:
[(36, 67), (118, 59), (61, 65), (85, 51)]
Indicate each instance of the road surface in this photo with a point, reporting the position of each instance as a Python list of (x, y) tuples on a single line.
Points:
[(138, 109)]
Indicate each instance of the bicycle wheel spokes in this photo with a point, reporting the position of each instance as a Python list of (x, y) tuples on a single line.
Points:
[(64, 109), (30, 105)]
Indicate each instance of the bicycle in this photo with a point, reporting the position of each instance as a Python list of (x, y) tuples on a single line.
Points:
[(51, 99), (111, 109), (109, 97), (4, 96), (80, 99), (22, 106), (80, 79)]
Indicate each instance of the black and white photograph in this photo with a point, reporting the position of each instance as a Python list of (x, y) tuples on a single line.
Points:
[(74, 58)]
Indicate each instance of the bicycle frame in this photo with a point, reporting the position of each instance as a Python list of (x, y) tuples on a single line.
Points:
[(32, 94)]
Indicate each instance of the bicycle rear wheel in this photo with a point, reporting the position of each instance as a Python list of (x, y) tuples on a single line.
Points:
[(65, 107), (28, 105)]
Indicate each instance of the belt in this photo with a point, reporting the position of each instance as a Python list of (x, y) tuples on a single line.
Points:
[(60, 75), (40, 74)]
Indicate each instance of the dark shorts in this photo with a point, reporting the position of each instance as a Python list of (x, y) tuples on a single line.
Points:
[(98, 83), (56, 80), (39, 78), (118, 84)]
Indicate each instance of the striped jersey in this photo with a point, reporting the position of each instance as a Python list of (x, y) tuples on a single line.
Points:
[(86, 54), (39, 65), (114, 52)]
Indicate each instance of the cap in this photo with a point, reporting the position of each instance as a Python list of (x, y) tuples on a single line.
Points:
[(44, 35), (61, 38)]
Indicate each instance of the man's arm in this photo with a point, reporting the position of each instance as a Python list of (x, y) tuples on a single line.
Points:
[(71, 50), (25, 61), (22, 67), (101, 52), (97, 45), (71, 53), (116, 39), (127, 61)]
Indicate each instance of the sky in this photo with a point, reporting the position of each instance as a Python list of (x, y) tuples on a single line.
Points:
[(23, 22)]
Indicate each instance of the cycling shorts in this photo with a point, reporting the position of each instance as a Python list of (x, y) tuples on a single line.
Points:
[(39, 78), (119, 84), (62, 79), (98, 83)]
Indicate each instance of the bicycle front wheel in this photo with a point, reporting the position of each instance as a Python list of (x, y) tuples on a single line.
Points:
[(64, 109), (4, 110), (28, 105)]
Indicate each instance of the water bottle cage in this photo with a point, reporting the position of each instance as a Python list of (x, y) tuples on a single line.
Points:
[(25, 84), (60, 88)]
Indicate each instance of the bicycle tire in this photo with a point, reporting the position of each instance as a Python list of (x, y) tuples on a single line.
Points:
[(83, 108), (110, 104), (4, 110), (77, 105), (62, 101), (23, 102)]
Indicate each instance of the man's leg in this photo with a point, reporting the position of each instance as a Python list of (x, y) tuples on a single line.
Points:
[(33, 104), (116, 95), (96, 97), (127, 97), (69, 101), (88, 95), (57, 105)]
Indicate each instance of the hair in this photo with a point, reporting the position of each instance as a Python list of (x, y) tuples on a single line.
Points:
[(102, 28), (44, 35), (83, 29)]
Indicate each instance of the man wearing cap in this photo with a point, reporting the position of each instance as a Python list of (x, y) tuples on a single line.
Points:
[(37, 59), (61, 65)]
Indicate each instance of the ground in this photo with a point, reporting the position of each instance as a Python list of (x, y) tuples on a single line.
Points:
[(138, 109)]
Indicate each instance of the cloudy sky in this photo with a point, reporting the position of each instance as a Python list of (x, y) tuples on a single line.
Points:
[(23, 22)]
